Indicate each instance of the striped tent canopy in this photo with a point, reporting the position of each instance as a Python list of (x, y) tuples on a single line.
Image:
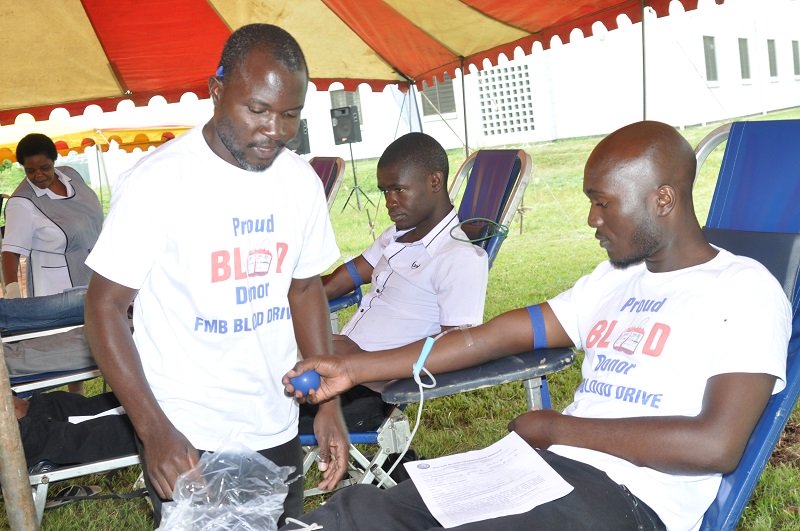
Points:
[(73, 53), (126, 139)]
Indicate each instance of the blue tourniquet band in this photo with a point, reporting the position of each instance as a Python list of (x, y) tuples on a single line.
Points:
[(423, 355), (354, 274), (537, 323)]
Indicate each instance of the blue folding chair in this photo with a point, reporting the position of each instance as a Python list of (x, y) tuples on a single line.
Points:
[(496, 182), (754, 212)]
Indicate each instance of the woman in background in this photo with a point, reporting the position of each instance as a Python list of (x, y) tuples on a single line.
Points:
[(53, 218)]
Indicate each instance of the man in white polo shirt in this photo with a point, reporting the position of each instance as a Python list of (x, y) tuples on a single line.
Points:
[(425, 275)]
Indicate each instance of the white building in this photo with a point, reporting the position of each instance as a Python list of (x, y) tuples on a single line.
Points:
[(714, 63)]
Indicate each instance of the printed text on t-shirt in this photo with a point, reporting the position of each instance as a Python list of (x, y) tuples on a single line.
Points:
[(630, 338)]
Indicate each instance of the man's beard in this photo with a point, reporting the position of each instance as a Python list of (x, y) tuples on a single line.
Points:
[(223, 127), (645, 242)]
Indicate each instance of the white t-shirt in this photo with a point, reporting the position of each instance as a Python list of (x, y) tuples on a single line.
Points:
[(419, 287), (212, 250), (652, 341)]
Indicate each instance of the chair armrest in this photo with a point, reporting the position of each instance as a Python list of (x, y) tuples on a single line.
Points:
[(25, 383), (349, 299), (533, 364), (37, 332)]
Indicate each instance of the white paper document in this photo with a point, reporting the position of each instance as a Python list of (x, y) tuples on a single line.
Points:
[(77, 419), (506, 478)]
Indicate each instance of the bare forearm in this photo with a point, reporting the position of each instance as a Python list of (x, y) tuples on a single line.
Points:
[(341, 283), (313, 330), (337, 283), (111, 343), (660, 443), (709, 442), (10, 267), (507, 334), (504, 335)]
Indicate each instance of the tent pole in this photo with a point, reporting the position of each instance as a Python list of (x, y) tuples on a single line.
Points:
[(400, 116), (409, 94), (416, 106), (464, 106), (13, 470), (644, 65), (99, 171)]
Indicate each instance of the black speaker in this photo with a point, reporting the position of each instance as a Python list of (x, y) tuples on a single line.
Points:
[(299, 144), (346, 125)]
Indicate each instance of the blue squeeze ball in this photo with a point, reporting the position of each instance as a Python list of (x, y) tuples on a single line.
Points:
[(306, 381)]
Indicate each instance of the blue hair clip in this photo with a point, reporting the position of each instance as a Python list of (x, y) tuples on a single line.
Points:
[(220, 71)]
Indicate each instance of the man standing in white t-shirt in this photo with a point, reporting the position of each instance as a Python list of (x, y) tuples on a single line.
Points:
[(220, 236), (671, 389)]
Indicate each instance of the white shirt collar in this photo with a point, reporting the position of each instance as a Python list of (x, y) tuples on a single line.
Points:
[(46, 191), (442, 228)]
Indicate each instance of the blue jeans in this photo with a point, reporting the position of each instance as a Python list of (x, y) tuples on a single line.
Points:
[(30, 314)]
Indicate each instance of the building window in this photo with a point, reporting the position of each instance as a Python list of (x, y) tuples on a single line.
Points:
[(796, 57), (744, 59), (439, 98), (498, 101), (711, 58), (343, 98), (773, 59)]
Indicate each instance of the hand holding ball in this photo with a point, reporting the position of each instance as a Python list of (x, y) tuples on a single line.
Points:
[(305, 382)]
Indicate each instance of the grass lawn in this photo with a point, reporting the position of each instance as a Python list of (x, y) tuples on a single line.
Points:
[(548, 248)]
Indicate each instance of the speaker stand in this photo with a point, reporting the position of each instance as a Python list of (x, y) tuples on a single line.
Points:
[(356, 188)]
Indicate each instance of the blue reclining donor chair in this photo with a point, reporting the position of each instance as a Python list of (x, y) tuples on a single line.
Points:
[(754, 212), (496, 181), (490, 194)]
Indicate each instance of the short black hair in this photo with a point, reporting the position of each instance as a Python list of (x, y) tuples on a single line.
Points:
[(36, 144), (419, 150), (270, 38)]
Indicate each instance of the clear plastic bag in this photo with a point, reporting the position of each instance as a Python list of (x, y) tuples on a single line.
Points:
[(233, 488)]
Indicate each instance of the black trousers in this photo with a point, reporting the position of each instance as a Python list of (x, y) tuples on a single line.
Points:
[(48, 435), (595, 503), (362, 408)]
